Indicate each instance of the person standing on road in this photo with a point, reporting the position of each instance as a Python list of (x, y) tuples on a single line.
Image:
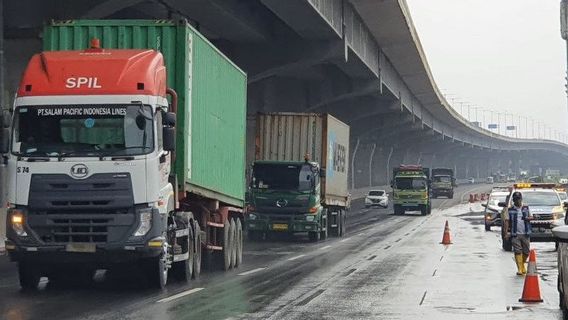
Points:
[(518, 220)]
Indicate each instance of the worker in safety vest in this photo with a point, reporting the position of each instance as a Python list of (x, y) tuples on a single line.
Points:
[(518, 220)]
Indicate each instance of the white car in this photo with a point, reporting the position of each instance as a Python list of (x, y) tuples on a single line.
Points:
[(377, 198)]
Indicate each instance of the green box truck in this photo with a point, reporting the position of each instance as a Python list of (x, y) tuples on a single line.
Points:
[(299, 177), (105, 171), (443, 182)]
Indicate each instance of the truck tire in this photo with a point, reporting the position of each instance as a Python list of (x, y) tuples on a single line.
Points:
[(429, 211), (198, 250), (342, 225), (183, 270), (314, 236), (324, 226), (451, 196), (233, 233), (239, 243), (507, 245), (423, 210), (29, 276), (487, 227), (398, 210), (157, 270), (226, 253)]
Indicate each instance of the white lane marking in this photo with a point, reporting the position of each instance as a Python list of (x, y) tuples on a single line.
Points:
[(296, 257), (181, 294), (362, 234), (346, 239), (326, 247), (251, 271)]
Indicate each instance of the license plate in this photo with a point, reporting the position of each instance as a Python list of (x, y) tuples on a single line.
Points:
[(81, 247), (279, 226)]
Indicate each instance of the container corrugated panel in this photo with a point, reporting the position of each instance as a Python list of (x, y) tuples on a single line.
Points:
[(290, 136), (211, 90), (218, 122)]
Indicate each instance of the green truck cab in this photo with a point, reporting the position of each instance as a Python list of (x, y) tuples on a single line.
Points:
[(411, 189), (298, 182), (285, 197), (443, 182)]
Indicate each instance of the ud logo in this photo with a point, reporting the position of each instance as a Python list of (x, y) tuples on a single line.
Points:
[(79, 171)]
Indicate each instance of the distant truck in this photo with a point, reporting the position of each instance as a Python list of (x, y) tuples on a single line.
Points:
[(98, 179), (411, 189), (443, 182), (299, 178)]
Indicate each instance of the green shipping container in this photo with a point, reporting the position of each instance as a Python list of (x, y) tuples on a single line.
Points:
[(211, 90)]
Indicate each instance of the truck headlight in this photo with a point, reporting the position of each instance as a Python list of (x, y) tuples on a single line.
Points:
[(17, 219), (252, 216), (310, 218), (145, 223)]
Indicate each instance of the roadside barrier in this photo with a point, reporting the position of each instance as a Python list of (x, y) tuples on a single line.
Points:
[(446, 239), (531, 290)]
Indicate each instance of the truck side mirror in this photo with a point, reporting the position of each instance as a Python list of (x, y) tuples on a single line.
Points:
[(565, 204), (5, 140), (6, 118), (169, 138), (169, 119)]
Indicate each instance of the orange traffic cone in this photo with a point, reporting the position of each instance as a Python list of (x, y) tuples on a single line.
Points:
[(483, 197), (446, 238), (476, 197), (531, 290), (470, 198)]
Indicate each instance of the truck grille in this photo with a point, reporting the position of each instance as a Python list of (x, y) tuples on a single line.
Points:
[(543, 216), (99, 209)]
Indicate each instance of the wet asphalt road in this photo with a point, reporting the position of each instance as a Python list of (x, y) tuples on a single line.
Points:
[(278, 279)]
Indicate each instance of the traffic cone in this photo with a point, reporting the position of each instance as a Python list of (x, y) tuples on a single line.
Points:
[(476, 197), (470, 198), (531, 290), (446, 238), (483, 197)]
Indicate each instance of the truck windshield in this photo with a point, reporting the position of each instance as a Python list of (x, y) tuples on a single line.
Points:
[(442, 179), (283, 177), (84, 130), (540, 198), (408, 183)]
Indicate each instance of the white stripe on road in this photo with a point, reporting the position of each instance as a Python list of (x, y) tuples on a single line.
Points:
[(361, 234), (181, 294), (346, 239), (326, 247), (251, 271), (296, 257)]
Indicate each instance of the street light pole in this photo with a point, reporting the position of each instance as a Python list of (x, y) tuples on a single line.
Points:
[(564, 34)]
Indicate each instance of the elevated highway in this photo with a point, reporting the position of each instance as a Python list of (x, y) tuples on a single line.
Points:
[(360, 60)]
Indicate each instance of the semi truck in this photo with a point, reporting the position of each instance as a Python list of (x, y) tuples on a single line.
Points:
[(126, 151), (443, 182), (298, 180), (411, 189)]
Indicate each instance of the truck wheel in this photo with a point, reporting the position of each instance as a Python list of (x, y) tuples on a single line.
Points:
[(323, 233), (342, 224), (429, 209), (239, 243), (451, 196), (29, 276), (197, 258), (398, 210), (157, 269), (507, 245), (314, 236), (227, 243), (183, 270), (487, 227), (233, 232), (423, 210)]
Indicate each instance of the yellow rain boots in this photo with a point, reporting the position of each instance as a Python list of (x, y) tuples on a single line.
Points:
[(520, 264), (524, 261)]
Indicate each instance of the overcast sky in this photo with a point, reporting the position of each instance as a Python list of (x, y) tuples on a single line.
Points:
[(500, 55)]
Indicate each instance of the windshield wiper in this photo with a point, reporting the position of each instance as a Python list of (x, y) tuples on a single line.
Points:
[(126, 156)]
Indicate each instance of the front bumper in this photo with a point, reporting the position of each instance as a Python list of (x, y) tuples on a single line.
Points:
[(410, 203), (290, 223), (541, 231), (382, 203)]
